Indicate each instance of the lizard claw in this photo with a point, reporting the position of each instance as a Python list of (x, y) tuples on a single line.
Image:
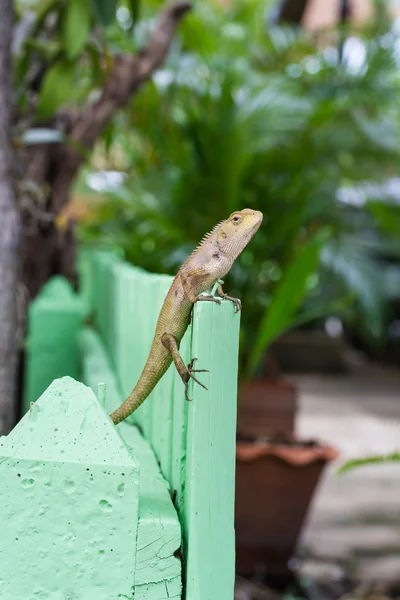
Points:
[(191, 370), (236, 302), (186, 392), (190, 375)]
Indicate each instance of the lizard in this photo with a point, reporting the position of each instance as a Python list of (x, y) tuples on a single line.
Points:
[(204, 268)]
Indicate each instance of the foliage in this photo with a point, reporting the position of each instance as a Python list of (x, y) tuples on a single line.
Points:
[(245, 116), (370, 460), (67, 37), (288, 296)]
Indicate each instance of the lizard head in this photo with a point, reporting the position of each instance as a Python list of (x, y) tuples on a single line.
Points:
[(236, 232)]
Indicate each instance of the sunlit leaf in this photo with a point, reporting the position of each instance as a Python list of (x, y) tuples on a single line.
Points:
[(56, 89), (76, 26)]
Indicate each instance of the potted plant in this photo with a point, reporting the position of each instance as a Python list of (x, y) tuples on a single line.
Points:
[(276, 473), (267, 405)]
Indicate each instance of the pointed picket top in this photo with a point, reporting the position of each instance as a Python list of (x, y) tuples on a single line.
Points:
[(67, 424), (69, 500), (57, 287)]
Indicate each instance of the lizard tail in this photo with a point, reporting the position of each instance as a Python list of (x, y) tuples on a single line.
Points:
[(151, 374)]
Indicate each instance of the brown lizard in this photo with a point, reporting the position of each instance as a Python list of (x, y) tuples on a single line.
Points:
[(208, 263)]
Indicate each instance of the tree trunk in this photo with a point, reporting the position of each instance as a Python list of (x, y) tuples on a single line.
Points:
[(9, 231), (292, 11), (46, 250)]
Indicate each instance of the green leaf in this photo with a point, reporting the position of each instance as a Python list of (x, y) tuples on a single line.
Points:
[(345, 261), (387, 216), (287, 298), (44, 9), (134, 6), (48, 49), (105, 10), (370, 460), (76, 26), (336, 306), (56, 89)]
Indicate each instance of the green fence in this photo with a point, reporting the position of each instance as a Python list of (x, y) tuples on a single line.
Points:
[(54, 322), (186, 453)]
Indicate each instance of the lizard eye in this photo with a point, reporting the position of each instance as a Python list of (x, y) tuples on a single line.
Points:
[(236, 219)]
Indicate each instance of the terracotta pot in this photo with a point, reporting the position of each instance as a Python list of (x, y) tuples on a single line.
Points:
[(275, 484), (267, 408)]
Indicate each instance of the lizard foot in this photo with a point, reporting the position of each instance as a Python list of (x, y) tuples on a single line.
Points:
[(207, 299), (190, 375), (236, 302)]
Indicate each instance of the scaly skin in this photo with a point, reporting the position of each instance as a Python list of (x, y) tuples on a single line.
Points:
[(208, 263)]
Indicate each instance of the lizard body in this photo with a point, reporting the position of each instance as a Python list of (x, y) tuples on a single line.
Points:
[(209, 262)]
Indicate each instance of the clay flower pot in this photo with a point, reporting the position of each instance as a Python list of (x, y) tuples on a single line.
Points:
[(275, 483)]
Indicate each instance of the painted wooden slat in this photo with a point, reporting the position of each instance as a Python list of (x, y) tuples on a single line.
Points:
[(154, 402), (208, 508), (116, 351), (96, 368), (97, 291), (84, 267), (88, 259), (179, 424), (151, 296), (145, 325), (159, 532), (107, 288), (111, 333), (130, 362), (148, 300), (54, 321), (128, 349), (160, 401), (102, 293)]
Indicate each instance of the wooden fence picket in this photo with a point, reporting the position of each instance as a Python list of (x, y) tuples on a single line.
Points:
[(193, 443)]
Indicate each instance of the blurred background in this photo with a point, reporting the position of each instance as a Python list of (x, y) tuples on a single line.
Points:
[(291, 107)]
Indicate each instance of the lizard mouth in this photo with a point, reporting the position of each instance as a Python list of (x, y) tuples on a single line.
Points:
[(257, 224), (251, 232)]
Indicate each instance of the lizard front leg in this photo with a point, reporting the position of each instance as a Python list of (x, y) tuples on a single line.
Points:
[(236, 301), (186, 373), (187, 285)]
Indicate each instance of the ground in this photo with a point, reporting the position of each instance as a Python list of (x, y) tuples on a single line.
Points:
[(354, 524)]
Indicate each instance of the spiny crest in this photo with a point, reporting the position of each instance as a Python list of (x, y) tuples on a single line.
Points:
[(204, 239)]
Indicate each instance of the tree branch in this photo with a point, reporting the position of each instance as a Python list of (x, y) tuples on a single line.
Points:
[(9, 231), (292, 11), (128, 74), (55, 166)]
